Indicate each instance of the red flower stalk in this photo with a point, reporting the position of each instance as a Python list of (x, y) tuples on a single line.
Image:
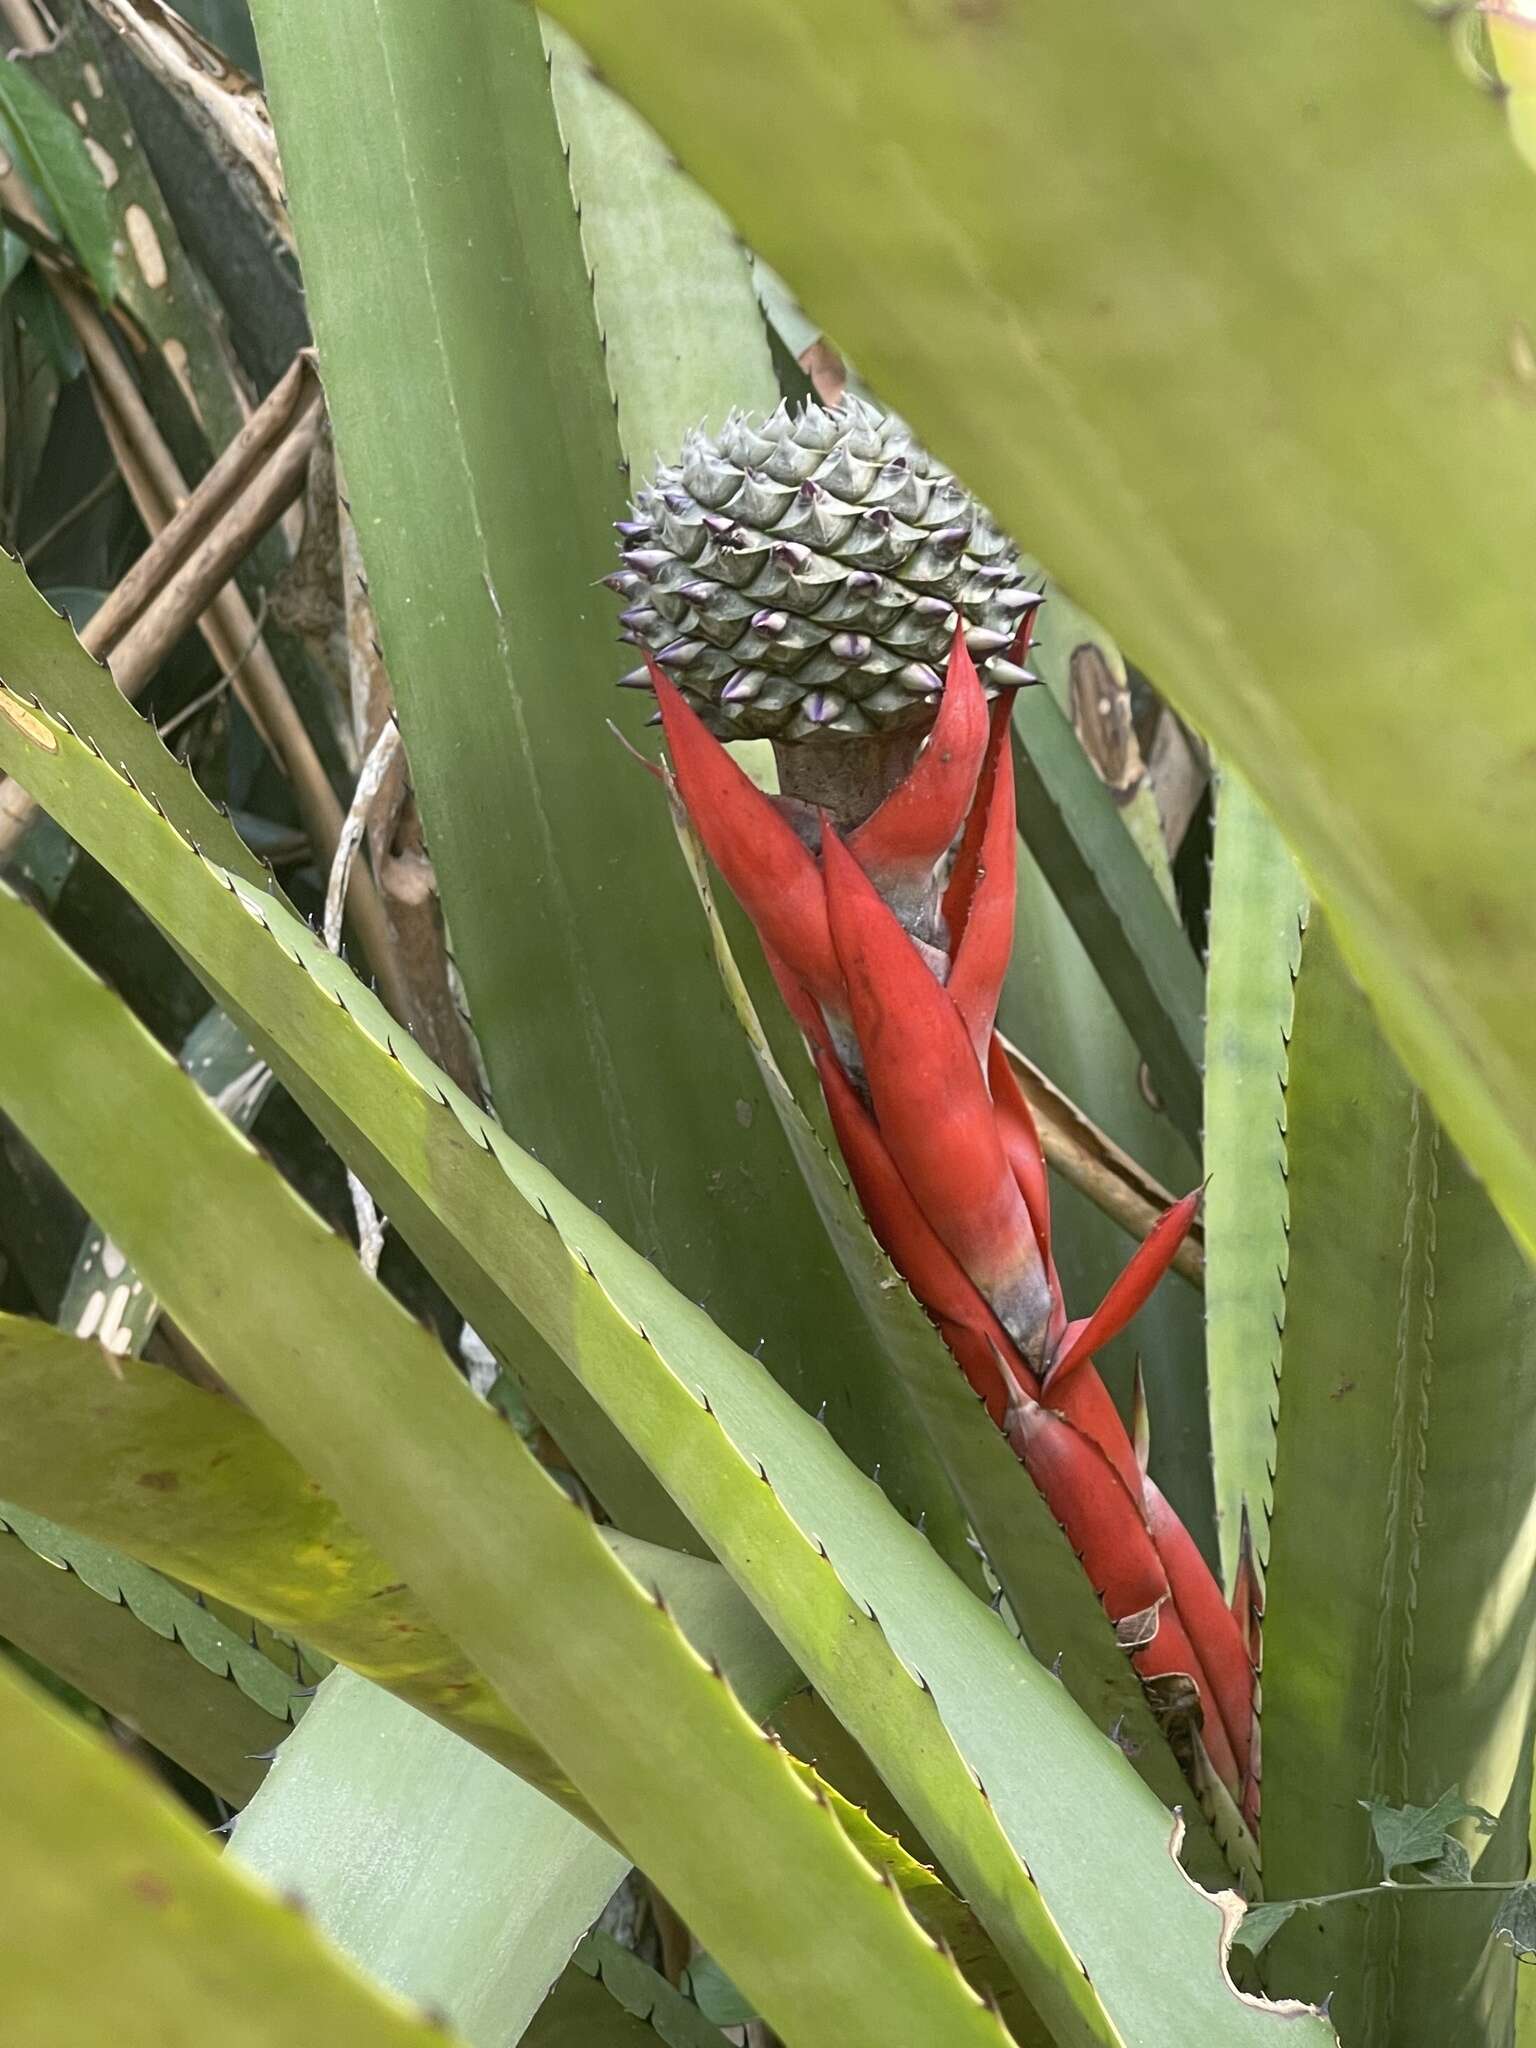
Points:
[(890, 950)]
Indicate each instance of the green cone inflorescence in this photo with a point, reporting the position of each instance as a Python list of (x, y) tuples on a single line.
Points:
[(799, 577)]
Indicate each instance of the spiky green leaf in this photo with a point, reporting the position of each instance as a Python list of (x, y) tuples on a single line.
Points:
[(196, 1487), (1258, 906), (143, 1650), (1394, 1638), (608, 1998)]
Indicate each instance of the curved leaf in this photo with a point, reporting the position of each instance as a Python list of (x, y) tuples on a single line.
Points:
[(195, 1486), (121, 1924)]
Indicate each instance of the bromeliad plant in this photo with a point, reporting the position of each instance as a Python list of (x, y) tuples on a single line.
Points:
[(888, 928), (818, 1599)]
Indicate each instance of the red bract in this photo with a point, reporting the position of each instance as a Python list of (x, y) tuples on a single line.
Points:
[(893, 974), (1209, 1622), (1129, 1292), (1098, 1511), (962, 874), (1085, 1402), (931, 1102), (1021, 1142), (771, 874), (904, 1233), (900, 846), (981, 947)]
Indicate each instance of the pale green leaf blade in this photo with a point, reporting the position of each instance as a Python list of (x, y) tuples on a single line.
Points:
[(1258, 907), (440, 1874), (1254, 370), (1395, 1640), (682, 337), (122, 1926)]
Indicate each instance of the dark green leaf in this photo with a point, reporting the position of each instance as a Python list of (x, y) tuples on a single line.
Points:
[(1260, 1922), (715, 1995), (641, 1992), (105, 1298), (1514, 1922), (55, 155), (157, 287), (1421, 1834), (1069, 823), (145, 1651), (38, 311), (1400, 1597), (15, 255)]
